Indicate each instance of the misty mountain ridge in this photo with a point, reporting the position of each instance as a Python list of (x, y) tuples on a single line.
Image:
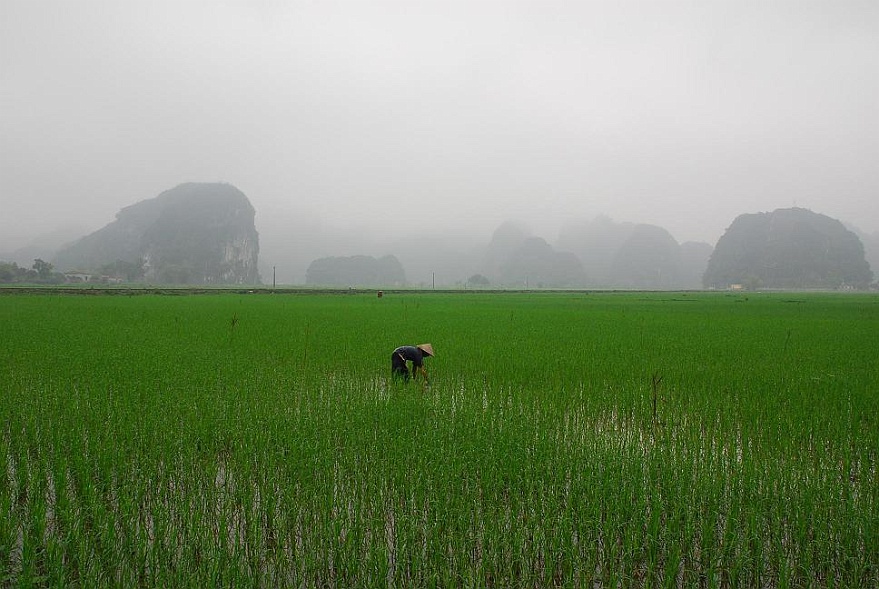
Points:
[(870, 242), (200, 233), (356, 270), (45, 246)]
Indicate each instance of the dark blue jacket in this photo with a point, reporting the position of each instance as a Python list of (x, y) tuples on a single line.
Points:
[(410, 353)]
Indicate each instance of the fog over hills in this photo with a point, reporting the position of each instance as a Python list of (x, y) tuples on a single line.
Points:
[(598, 253), (449, 258), (871, 247), (202, 232), (374, 123), (194, 233), (788, 248)]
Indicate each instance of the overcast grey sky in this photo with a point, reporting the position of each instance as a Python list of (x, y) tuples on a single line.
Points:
[(427, 115)]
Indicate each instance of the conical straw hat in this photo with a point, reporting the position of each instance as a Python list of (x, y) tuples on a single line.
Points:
[(426, 348)]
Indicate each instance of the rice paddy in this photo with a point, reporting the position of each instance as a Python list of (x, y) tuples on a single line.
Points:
[(566, 440)]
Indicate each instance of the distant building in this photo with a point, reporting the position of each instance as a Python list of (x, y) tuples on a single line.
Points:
[(82, 277), (77, 277)]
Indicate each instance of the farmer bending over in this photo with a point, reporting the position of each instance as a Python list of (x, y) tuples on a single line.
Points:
[(414, 354)]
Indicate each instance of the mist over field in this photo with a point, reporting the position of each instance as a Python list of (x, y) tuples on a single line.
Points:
[(367, 127)]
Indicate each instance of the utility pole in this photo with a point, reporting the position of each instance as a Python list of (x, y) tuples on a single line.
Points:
[(433, 280), (273, 278)]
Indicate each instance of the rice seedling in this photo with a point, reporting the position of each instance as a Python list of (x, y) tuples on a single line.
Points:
[(568, 439)]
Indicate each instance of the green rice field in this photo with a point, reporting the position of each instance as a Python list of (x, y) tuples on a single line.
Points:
[(566, 440)]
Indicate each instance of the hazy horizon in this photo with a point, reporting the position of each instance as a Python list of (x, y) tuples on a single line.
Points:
[(401, 118)]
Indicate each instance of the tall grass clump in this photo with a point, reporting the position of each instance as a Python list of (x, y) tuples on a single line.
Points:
[(567, 439)]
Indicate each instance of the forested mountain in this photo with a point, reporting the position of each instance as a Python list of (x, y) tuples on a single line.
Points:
[(534, 263), (516, 259), (871, 248), (192, 234), (649, 259), (356, 271), (205, 234), (46, 245), (626, 255), (505, 240), (788, 248), (694, 261), (595, 243)]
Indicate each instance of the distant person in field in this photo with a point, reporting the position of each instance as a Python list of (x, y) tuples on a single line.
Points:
[(414, 354)]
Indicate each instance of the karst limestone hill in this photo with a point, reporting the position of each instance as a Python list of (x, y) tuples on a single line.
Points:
[(788, 248), (195, 233)]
